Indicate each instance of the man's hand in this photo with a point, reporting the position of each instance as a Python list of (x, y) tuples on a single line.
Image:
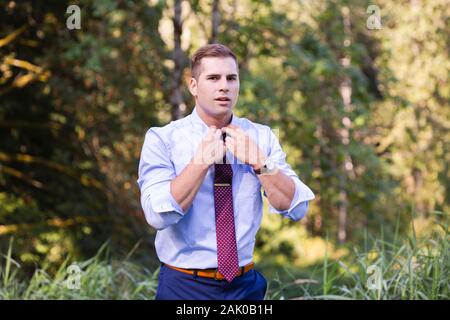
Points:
[(211, 149), (279, 188), (185, 186), (243, 147)]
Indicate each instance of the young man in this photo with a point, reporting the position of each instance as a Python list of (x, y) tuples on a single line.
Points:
[(200, 179)]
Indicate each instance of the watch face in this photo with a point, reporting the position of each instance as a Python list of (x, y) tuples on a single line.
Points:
[(270, 164)]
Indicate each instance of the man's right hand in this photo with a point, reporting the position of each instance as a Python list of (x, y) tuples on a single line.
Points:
[(211, 149), (186, 185)]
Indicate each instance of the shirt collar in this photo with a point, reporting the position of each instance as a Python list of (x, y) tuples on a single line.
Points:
[(199, 126), (196, 120)]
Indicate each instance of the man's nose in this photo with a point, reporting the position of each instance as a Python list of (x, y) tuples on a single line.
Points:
[(224, 85)]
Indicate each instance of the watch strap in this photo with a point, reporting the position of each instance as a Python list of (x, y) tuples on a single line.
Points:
[(258, 171)]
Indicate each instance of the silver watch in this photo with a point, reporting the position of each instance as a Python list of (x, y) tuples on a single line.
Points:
[(269, 167)]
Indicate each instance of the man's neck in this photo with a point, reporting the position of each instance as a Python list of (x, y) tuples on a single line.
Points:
[(214, 121)]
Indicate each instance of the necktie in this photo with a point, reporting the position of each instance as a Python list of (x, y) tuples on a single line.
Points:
[(227, 256)]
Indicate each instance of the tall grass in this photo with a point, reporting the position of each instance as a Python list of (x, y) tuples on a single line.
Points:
[(409, 268), (100, 278), (414, 268)]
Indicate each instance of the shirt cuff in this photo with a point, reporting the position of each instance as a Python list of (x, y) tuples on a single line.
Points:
[(299, 203), (163, 201)]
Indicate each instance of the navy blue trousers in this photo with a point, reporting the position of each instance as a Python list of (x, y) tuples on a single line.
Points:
[(176, 285)]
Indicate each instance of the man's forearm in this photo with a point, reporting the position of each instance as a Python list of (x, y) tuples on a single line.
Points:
[(279, 188), (186, 185)]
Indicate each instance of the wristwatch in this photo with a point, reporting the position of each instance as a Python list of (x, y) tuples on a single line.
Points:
[(269, 167)]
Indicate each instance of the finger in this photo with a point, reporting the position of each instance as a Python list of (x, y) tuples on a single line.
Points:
[(232, 132), (233, 126), (218, 134), (230, 145), (239, 129), (230, 126), (210, 133), (229, 139)]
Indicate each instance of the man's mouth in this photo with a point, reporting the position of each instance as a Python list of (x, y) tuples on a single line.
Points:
[(222, 99)]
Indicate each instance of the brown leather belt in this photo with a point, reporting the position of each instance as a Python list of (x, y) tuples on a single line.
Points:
[(212, 273)]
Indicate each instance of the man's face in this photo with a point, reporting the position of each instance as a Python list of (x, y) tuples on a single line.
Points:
[(217, 87)]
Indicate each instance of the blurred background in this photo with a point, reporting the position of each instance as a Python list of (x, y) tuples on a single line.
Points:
[(360, 94)]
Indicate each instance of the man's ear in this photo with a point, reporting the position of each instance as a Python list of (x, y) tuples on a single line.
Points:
[(193, 86)]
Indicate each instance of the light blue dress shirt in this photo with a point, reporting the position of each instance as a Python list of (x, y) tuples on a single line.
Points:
[(188, 239)]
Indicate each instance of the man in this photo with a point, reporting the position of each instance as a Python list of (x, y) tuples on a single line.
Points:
[(200, 179)]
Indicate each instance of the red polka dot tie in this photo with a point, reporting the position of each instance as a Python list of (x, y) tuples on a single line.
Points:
[(227, 256)]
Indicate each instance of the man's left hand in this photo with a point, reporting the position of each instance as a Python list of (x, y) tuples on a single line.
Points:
[(243, 147)]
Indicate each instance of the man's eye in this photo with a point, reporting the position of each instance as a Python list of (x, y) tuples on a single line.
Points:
[(232, 78), (213, 78)]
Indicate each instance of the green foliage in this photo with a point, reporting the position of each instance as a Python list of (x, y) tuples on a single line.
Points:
[(410, 268), (100, 278), (75, 105), (413, 268), (71, 136)]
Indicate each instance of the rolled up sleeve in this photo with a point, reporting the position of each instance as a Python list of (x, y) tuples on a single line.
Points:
[(303, 194), (156, 171)]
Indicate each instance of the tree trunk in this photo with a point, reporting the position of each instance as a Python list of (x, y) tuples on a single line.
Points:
[(345, 90), (176, 97), (215, 22)]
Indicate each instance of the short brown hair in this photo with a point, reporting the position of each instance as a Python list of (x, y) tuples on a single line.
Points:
[(209, 50)]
